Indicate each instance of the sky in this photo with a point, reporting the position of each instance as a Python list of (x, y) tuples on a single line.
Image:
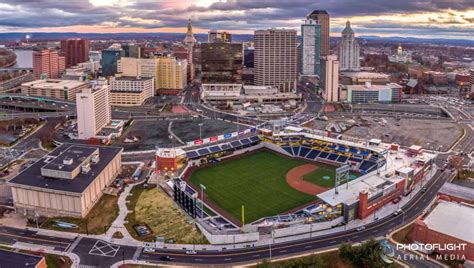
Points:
[(405, 18)]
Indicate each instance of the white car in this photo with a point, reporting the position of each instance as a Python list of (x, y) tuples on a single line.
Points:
[(360, 228), (397, 212), (191, 252)]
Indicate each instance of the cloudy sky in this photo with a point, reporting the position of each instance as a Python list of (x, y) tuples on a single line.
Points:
[(417, 18)]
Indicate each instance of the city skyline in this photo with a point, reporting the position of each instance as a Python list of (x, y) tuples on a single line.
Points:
[(423, 18)]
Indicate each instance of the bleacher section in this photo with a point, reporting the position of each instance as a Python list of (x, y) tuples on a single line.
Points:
[(217, 148), (314, 150)]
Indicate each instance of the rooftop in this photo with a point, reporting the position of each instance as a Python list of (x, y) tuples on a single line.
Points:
[(132, 78), (372, 87), (54, 84), (456, 190), (453, 219), (16, 259), (74, 155), (31, 177)]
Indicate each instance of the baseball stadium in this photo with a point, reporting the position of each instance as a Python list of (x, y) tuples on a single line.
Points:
[(263, 177)]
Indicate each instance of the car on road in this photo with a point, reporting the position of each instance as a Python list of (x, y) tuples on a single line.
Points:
[(423, 189), (396, 200), (191, 252), (360, 228), (397, 212), (166, 258)]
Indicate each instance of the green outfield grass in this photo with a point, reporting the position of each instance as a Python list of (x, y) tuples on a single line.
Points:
[(256, 181), (316, 177)]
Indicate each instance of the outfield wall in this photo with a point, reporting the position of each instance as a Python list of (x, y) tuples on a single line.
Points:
[(229, 239), (306, 228)]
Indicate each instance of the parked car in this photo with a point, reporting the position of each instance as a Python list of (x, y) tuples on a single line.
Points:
[(423, 189), (191, 252), (360, 228), (396, 200)]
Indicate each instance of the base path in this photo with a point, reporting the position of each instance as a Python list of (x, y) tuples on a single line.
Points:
[(294, 178)]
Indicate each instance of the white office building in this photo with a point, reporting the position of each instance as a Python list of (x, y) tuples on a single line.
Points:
[(93, 109), (348, 50), (330, 78)]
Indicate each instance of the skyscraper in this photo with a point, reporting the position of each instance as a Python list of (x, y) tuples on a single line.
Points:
[(48, 64), (330, 78), (221, 63), (75, 51), (322, 18), (275, 58), (109, 60), (311, 47), (348, 50)]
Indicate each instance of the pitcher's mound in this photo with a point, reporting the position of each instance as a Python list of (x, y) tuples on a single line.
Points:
[(294, 178)]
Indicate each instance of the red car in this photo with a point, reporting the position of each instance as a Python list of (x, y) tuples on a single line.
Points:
[(396, 200)]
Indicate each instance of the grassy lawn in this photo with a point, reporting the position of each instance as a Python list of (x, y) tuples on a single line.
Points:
[(158, 211), (328, 260), (316, 177), (98, 220), (256, 181)]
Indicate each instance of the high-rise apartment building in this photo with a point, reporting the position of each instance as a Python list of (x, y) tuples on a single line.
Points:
[(48, 64), (170, 73), (311, 47), (322, 18), (221, 63), (75, 51), (330, 78), (93, 109), (219, 37), (109, 60), (275, 58), (348, 50)]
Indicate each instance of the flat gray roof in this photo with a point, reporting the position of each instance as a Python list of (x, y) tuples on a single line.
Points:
[(75, 153), (32, 175), (453, 219), (458, 191)]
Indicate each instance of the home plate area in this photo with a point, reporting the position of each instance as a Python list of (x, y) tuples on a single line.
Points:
[(105, 249)]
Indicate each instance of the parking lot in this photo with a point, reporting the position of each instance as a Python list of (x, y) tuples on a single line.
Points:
[(153, 133), (430, 134)]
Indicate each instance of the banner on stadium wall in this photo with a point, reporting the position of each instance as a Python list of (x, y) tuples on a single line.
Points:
[(253, 130), (213, 139), (205, 140), (220, 137), (247, 131), (240, 133), (228, 135), (198, 142)]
